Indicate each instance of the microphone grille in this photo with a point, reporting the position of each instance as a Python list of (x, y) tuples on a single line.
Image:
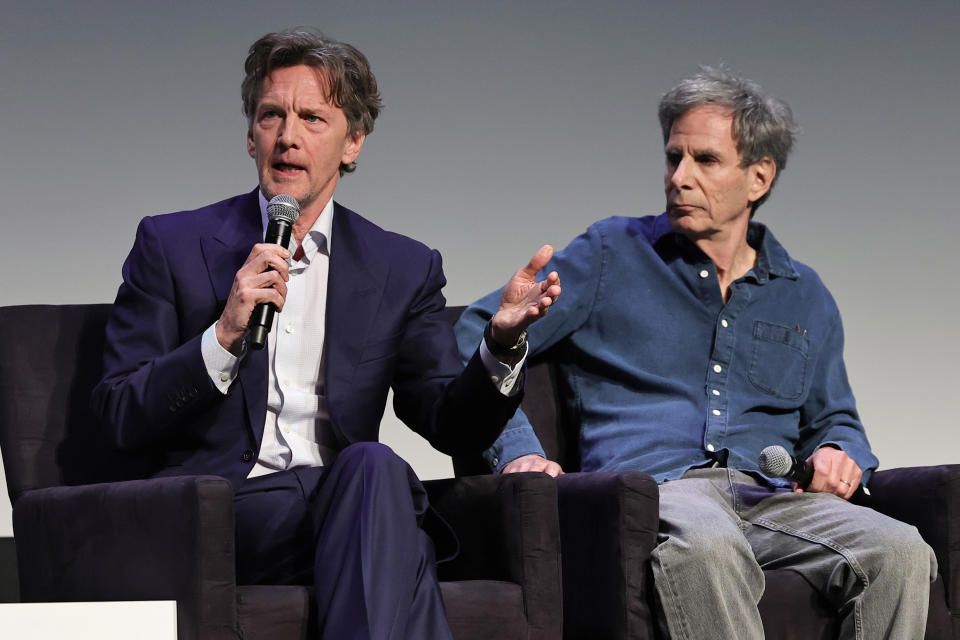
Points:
[(283, 207), (775, 461)]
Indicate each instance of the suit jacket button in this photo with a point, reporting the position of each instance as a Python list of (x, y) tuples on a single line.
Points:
[(247, 455)]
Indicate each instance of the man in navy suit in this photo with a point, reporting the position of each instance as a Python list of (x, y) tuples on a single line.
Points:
[(294, 427)]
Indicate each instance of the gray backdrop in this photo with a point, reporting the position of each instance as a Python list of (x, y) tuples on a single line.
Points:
[(508, 125)]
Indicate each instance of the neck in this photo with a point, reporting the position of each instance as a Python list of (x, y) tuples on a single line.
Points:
[(308, 217), (730, 253)]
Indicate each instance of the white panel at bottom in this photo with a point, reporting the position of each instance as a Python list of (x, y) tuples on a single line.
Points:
[(150, 620)]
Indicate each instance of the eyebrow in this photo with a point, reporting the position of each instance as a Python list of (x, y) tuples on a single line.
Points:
[(320, 107), (705, 151), (266, 102)]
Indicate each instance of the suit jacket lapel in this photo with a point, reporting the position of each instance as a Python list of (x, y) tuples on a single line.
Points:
[(354, 289), (224, 253)]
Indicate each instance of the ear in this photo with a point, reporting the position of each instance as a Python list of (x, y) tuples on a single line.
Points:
[(761, 178), (251, 147), (352, 146)]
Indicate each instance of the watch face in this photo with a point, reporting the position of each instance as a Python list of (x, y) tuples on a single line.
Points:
[(521, 340), (499, 348)]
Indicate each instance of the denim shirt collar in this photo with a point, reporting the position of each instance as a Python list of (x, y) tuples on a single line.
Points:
[(772, 258)]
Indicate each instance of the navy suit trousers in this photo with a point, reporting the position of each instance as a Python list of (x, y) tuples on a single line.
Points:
[(351, 530)]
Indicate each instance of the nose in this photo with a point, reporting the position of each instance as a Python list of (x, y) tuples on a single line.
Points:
[(289, 132), (678, 176)]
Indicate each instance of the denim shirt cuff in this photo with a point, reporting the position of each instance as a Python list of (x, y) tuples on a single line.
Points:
[(512, 444)]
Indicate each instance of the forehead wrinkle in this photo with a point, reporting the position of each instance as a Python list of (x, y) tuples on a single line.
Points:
[(713, 147)]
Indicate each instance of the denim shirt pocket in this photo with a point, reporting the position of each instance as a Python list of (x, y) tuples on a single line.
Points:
[(779, 363)]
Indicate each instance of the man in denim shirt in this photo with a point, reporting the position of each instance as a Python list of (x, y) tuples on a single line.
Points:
[(690, 341)]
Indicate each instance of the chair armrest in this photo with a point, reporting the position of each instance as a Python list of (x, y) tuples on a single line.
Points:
[(929, 499), (608, 528), (159, 539), (507, 528)]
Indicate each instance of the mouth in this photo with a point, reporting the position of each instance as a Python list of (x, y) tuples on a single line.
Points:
[(287, 168)]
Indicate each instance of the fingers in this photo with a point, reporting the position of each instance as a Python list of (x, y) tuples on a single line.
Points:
[(834, 472), (850, 480), (542, 297), (550, 289), (533, 462), (263, 287), (537, 262), (261, 279), (550, 286), (523, 299), (266, 256)]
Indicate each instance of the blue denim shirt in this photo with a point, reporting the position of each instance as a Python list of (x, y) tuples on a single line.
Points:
[(664, 376)]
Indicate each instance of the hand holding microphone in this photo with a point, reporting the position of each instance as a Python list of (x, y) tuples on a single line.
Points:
[(828, 470), (776, 462), (259, 287), (283, 211)]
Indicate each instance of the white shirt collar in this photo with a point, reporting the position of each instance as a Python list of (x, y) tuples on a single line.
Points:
[(318, 237)]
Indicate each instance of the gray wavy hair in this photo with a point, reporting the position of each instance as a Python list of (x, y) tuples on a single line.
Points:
[(351, 83), (763, 126)]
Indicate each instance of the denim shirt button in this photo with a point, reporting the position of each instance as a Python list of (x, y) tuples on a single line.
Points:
[(724, 323), (710, 447), (717, 368), (704, 273)]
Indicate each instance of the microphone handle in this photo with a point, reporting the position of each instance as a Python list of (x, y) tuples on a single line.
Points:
[(800, 472), (261, 320)]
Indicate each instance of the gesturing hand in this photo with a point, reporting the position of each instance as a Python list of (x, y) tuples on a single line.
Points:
[(262, 278), (524, 300)]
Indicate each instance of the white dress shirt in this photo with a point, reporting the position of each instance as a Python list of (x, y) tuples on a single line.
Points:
[(296, 402)]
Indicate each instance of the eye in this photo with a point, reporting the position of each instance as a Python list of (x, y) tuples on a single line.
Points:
[(706, 158), (312, 118), (266, 114), (673, 157)]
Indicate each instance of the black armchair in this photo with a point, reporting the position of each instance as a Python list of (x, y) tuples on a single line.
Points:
[(608, 527), (76, 502)]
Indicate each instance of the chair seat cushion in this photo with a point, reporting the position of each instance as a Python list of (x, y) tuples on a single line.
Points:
[(485, 609), (476, 609), (274, 612), (793, 610)]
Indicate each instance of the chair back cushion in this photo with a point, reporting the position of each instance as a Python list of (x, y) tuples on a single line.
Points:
[(51, 356)]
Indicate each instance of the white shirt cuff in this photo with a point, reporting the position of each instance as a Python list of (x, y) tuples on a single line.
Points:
[(222, 366), (503, 376)]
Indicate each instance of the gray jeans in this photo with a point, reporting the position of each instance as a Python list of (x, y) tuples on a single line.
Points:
[(720, 528)]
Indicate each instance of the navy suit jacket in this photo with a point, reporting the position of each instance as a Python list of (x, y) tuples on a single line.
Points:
[(385, 328)]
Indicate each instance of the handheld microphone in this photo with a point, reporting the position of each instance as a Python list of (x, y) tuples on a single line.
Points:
[(283, 211), (776, 462)]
